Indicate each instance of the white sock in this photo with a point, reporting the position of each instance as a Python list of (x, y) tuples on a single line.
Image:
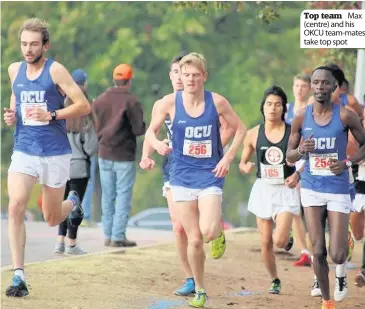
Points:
[(306, 251), (341, 270), (19, 272), (315, 277)]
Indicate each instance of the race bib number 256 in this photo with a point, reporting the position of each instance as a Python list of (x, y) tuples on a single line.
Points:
[(197, 149)]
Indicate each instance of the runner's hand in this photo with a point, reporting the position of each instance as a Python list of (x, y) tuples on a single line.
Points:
[(9, 116), (222, 168), (308, 145), (292, 181), (336, 166), (162, 147), (246, 168), (39, 114), (147, 163)]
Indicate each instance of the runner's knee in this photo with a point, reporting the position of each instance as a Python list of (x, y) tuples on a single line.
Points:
[(266, 242), (211, 232), (17, 209), (339, 255), (51, 219), (358, 233), (319, 251), (280, 241), (196, 242), (177, 228)]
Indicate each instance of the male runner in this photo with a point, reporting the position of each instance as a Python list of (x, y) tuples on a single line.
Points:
[(301, 89), (325, 180), (274, 198), (41, 147), (357, 217), (148, 163), (198, 165), (338, 97)]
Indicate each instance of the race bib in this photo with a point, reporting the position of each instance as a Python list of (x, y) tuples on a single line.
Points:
[(319, 163), (197, 149), (361, 174), (26, 108), (272, 174)]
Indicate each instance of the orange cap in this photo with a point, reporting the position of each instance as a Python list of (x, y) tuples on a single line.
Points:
[(122, 71)]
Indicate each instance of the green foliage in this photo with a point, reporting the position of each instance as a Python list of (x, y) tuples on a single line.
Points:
[(249, 46)]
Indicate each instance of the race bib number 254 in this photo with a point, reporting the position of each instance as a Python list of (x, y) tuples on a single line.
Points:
[(320, 163)]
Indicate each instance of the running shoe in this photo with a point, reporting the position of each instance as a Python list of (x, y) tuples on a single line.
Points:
[(341, 289), (304, 260), (291, 241), (18, 288), (275, 286), (316, 291), (328, 304), (360, 279), (218, 246), (187, 289), (199, 300)]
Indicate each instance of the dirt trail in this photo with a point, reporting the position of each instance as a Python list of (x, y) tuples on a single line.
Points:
[(145, 278)]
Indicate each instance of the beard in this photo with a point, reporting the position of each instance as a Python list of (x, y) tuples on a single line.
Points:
[(36, 59)]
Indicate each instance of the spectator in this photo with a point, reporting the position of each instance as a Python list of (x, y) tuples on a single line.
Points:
[(118, 116), (83, 140), (80, 78)]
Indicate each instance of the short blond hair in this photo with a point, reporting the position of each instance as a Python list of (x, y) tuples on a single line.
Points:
[(36, 25), (302, 77), (196, 60)]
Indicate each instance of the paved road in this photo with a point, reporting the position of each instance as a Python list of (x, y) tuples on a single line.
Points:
[(41, 240)]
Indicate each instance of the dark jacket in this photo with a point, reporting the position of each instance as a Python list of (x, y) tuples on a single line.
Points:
[(118, 118)]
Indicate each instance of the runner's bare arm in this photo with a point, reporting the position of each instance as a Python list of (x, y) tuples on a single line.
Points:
[(62, 78), (292, 154), (249, 146), (158, 117), (229, 115), (355, 106), (226, 131), (9, 113), (147, 149), (13, 72), (352, 121)]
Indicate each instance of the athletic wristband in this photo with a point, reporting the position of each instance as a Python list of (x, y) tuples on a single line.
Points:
[(53, 115), (298, 149), (348, 163), (289, 163)]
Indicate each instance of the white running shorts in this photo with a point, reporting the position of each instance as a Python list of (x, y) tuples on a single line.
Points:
[(334, 202), (267, 201), (52, 171), (182, 194)]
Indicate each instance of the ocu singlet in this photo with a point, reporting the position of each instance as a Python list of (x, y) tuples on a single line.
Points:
[(33, 137), (344, 99), (196, 145), (330, 142), (271, 158), (289, 113)]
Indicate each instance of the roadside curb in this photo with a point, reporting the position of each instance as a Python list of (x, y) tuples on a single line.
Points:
[(239, 230)]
